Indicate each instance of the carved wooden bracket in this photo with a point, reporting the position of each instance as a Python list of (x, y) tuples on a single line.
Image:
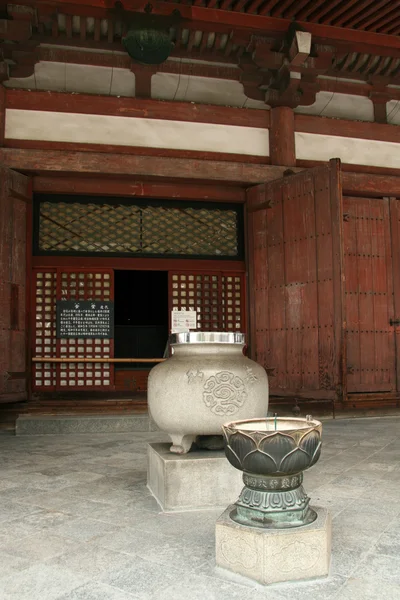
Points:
[(284, 73)]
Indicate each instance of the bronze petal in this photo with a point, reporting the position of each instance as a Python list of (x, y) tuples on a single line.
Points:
[(277, 445), (241, 444), (294, 462), (259, 463)]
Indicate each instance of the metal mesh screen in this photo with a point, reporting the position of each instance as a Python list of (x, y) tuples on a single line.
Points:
[(77, 227)]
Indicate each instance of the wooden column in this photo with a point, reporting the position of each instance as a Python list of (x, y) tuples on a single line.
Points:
[(281, 137), (2, 113)]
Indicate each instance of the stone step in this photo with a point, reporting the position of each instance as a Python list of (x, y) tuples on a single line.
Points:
[(34, 424)]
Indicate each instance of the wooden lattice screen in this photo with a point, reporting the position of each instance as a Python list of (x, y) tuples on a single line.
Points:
[(218, 298), (70, 284)]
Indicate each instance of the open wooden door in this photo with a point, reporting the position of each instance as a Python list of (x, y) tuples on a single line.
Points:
[(371, 292), (295, 272), (15, 209)]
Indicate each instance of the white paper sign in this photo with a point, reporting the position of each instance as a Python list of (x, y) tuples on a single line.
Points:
[(183, 320)]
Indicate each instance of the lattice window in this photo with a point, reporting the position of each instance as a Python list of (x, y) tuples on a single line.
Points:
[(216, 297), (144, 230), (45, 343), (65, 284), (232, 302)]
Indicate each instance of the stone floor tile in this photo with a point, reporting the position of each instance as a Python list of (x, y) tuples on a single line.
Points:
[(39, 582), (12, 510), (84, 529), (40, 546), (360, 588), (201, 587), (97, 591), (143, 578), (10, 564), (91, 561), (321, 589), (382, 567)]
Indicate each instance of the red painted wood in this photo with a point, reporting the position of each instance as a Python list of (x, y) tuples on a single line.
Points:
[(112, 187), (14, 197), (230, 19), (352, 129), (369, 296), (66, 283), (2, 113), (363, 180), (91, 163), (135, 151), (281, 137), (139, 264), (295, 313), (216, 296), (135, 107), (371, 184), (394, 206)]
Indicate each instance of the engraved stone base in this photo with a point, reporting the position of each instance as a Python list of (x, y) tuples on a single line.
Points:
[(197, 480), (274, 555)]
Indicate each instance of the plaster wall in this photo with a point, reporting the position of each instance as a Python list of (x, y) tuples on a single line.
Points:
[(353, 151), (127, 131), (181, 135)]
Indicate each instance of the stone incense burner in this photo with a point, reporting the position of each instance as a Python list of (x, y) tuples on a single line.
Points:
[(273, 453)]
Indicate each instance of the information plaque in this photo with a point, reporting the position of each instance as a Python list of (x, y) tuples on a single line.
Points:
[(183, 320), (85, 319)]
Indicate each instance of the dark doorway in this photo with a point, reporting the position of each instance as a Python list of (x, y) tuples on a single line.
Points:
[(141, 315)]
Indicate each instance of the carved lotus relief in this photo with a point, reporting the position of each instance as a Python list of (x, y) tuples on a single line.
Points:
[(272, 453)]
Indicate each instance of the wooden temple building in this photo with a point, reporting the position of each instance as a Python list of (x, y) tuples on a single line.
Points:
[(239, 158)]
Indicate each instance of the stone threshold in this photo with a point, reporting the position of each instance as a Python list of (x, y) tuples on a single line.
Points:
[(34, 424)]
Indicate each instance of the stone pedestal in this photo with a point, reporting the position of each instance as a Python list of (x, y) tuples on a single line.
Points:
[(194, 481), (275, 555)]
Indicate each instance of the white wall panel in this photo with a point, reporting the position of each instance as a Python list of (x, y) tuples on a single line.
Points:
[(126, 131), (354, 151)]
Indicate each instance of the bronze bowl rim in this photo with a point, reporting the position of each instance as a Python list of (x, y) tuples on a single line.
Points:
[(310, 425)]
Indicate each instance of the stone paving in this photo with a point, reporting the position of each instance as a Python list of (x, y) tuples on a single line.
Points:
[(78, 523)]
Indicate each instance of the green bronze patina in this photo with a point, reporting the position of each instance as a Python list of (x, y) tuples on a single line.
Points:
[(273, 453)]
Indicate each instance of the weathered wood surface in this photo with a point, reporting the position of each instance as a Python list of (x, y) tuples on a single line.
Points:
[(281, 136), (116, 187), (369, 295), (58, 161), (297, 324), (370, 184), (347, 128), (14, 194), (135, 107)]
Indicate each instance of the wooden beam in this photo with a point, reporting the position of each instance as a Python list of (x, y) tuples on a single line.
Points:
[(135, 150), (352, 129), (16, 31), (281, 137), (53, 161), (115, 187), (139, 264), (135, 107), (197, 16), (370, 185)]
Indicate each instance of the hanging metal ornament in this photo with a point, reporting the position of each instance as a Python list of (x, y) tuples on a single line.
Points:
[(148, 39)]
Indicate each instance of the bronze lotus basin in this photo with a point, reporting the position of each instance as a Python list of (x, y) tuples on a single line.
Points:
[(273, 453)]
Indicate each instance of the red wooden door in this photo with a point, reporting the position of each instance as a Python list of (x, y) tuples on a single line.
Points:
[(55, 284), (369, 295), (295, 265), (15, 207)]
